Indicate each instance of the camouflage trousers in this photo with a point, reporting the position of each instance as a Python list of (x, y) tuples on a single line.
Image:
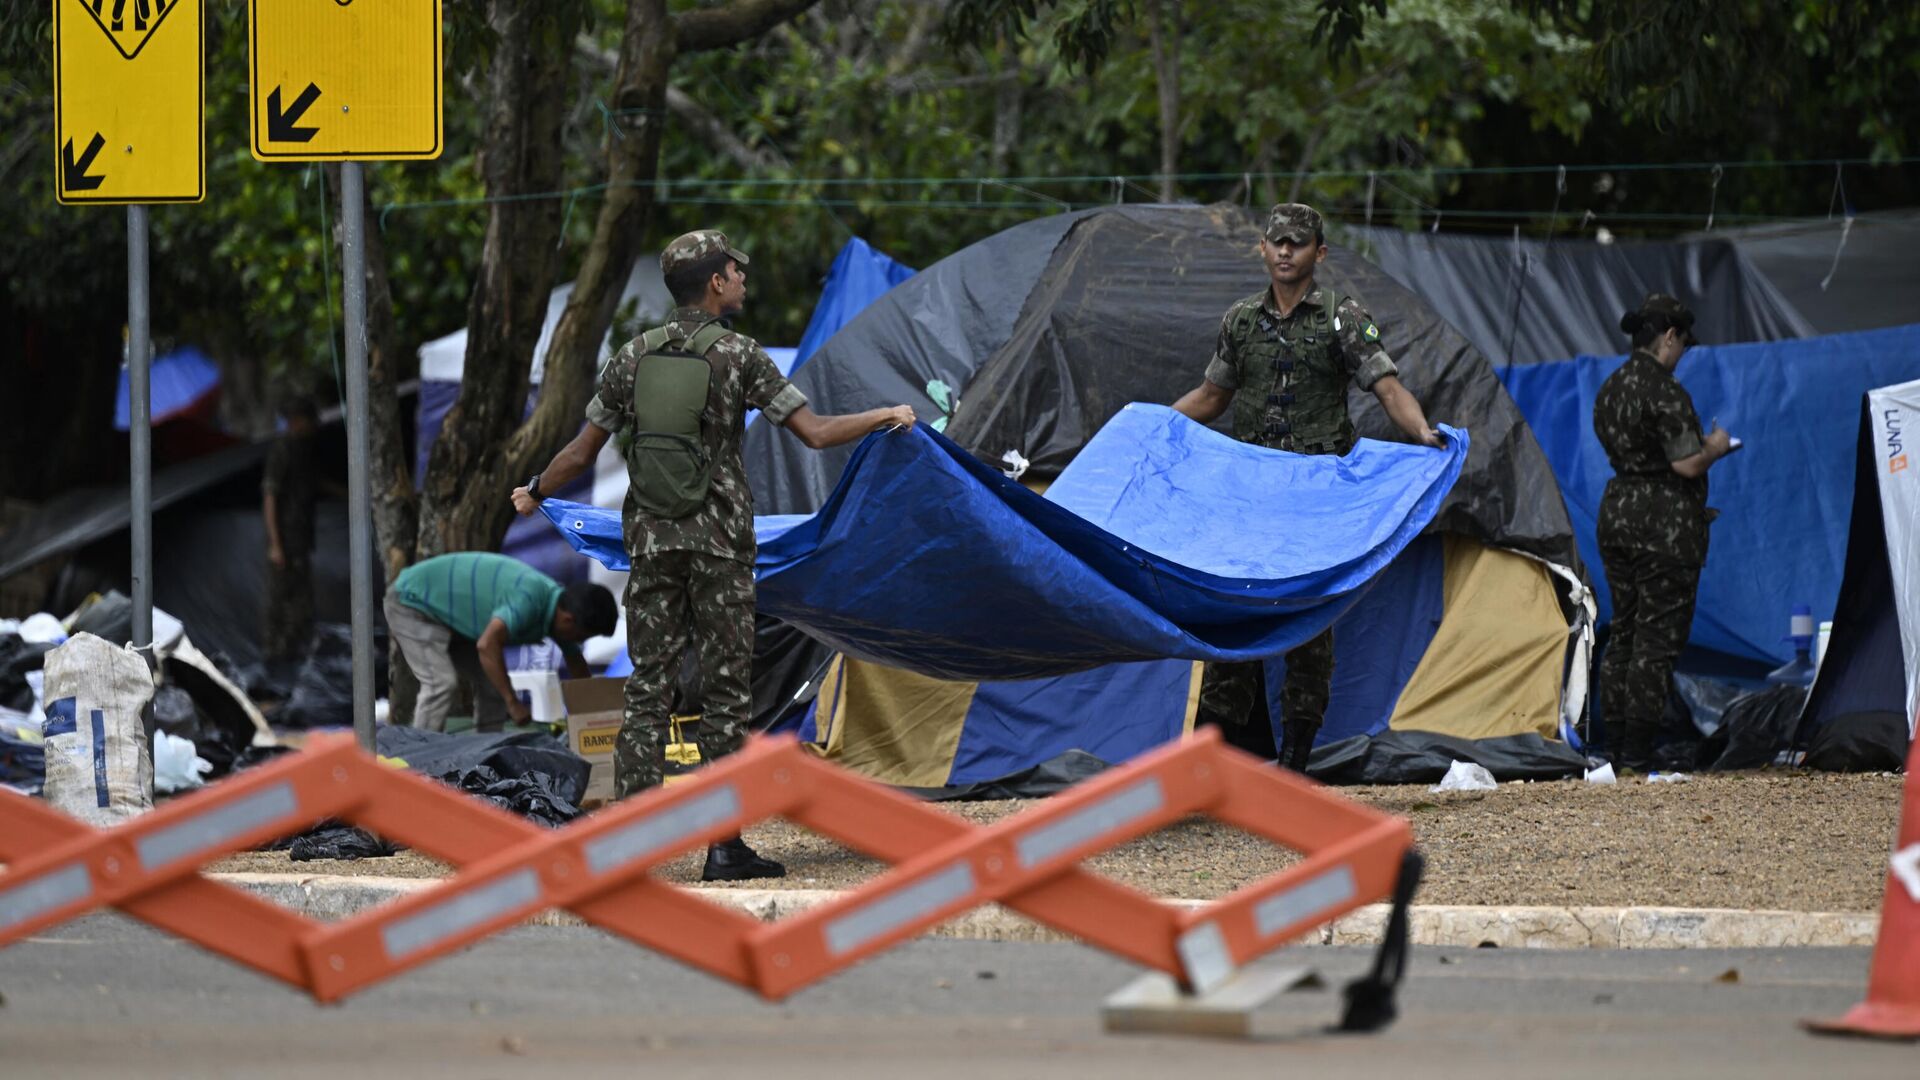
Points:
[(1236, 693), (289, 614), (1653, 597), (675, 599)]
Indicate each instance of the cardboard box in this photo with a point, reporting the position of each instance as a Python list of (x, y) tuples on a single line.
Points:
[(594, 708)]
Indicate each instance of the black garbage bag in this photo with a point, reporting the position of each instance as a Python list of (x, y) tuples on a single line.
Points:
[(109, 617), (533, 795), (508, 754), (23, 765), (258, 755), (220, 727), (17, 657), (322, 694), (332, 840), (1759, 725)]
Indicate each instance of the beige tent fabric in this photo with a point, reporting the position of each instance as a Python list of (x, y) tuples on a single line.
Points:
[(892, 725), (1494, 666)]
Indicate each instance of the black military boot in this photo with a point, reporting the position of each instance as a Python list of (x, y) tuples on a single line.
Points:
[(733, 860), (1296, 744), (1636, 756)]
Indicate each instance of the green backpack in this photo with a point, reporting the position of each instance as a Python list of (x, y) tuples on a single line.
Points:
[(667, 462)]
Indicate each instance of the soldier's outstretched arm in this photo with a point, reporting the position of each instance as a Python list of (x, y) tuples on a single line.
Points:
[(1205, 402), (572, 460), (1404, 409), (820, 432)]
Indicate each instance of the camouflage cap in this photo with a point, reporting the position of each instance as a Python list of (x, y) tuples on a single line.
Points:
[(1293, 221), (1664, 309), (695, 245)]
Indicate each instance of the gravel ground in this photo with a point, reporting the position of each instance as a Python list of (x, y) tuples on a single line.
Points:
[(1787, 841)]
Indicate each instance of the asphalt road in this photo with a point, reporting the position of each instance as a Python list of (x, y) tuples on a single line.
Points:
[(106, 997)]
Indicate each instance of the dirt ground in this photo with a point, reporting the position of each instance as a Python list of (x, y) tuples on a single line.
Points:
[(1791, 841)]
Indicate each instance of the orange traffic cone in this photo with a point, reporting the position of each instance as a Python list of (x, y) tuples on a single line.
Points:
[(1892, 1008)]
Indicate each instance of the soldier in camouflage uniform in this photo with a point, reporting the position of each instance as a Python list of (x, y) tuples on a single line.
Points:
[(1653, 522), (692, 576), (1282, 362)]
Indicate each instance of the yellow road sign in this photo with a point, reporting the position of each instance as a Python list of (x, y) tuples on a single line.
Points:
[(345, 80), (128, 102)]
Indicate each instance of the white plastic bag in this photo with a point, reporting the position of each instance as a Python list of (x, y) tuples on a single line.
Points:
[(99, 768), (177, 764), (1465, 776)]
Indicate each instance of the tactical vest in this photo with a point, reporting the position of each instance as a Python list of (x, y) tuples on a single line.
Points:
[(1293, 392), (668, 466)]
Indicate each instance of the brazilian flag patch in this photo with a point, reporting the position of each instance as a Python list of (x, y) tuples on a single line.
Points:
[(1371, 333)]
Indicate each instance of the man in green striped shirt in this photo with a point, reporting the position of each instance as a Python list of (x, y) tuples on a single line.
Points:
[(455, 615)]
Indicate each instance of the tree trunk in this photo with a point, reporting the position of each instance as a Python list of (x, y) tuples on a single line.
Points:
[(648, 46), (1164, 31), (464, 500)]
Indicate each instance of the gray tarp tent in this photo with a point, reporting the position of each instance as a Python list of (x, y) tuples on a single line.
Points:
[(1867, 283), (1523, 301)]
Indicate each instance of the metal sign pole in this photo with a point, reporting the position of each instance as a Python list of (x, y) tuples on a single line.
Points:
[(359, 516), (139, 425)]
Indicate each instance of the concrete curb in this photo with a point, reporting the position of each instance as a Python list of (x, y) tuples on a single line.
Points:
[(330, 897)]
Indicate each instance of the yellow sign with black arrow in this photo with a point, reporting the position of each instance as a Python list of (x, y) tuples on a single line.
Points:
[(345, 80), (127, 101)]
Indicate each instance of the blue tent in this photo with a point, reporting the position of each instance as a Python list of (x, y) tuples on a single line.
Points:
[(859, 276), (1783, 500)]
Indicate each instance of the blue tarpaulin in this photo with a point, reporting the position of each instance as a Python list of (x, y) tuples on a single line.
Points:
[(1162, 539), (859, 276), (176, 382), (1783, 499)]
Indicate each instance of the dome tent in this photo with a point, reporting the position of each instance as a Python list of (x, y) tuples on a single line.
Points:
[(1046, 330)]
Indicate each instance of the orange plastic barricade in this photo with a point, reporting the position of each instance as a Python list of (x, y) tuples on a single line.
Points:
[(1892, 1008), (598, 867)]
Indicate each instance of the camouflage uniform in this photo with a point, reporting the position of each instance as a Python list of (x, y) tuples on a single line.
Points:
[(692, 577), (1289, 374), (1653, 542), (290, 476)]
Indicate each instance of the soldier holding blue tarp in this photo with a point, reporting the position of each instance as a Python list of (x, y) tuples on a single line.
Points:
[(678, 396), (1282, 362)]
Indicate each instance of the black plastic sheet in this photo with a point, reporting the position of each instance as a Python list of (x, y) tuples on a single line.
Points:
[(533, 795), (17, 657), (1422, 757), (506, 754)]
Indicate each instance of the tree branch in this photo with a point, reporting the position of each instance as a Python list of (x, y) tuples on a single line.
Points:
[(742, 20), (714, 131)]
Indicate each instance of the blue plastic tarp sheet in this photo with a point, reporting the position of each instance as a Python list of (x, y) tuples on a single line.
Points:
[(176, 381), (859, 276), (1163, 539), (1783, 499)]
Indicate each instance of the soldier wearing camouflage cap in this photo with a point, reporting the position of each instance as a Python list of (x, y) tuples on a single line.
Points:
[(1282, 363), (688, 518), (1653, 522)]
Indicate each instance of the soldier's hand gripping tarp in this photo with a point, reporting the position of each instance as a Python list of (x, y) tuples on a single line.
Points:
[(1161, 539)]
